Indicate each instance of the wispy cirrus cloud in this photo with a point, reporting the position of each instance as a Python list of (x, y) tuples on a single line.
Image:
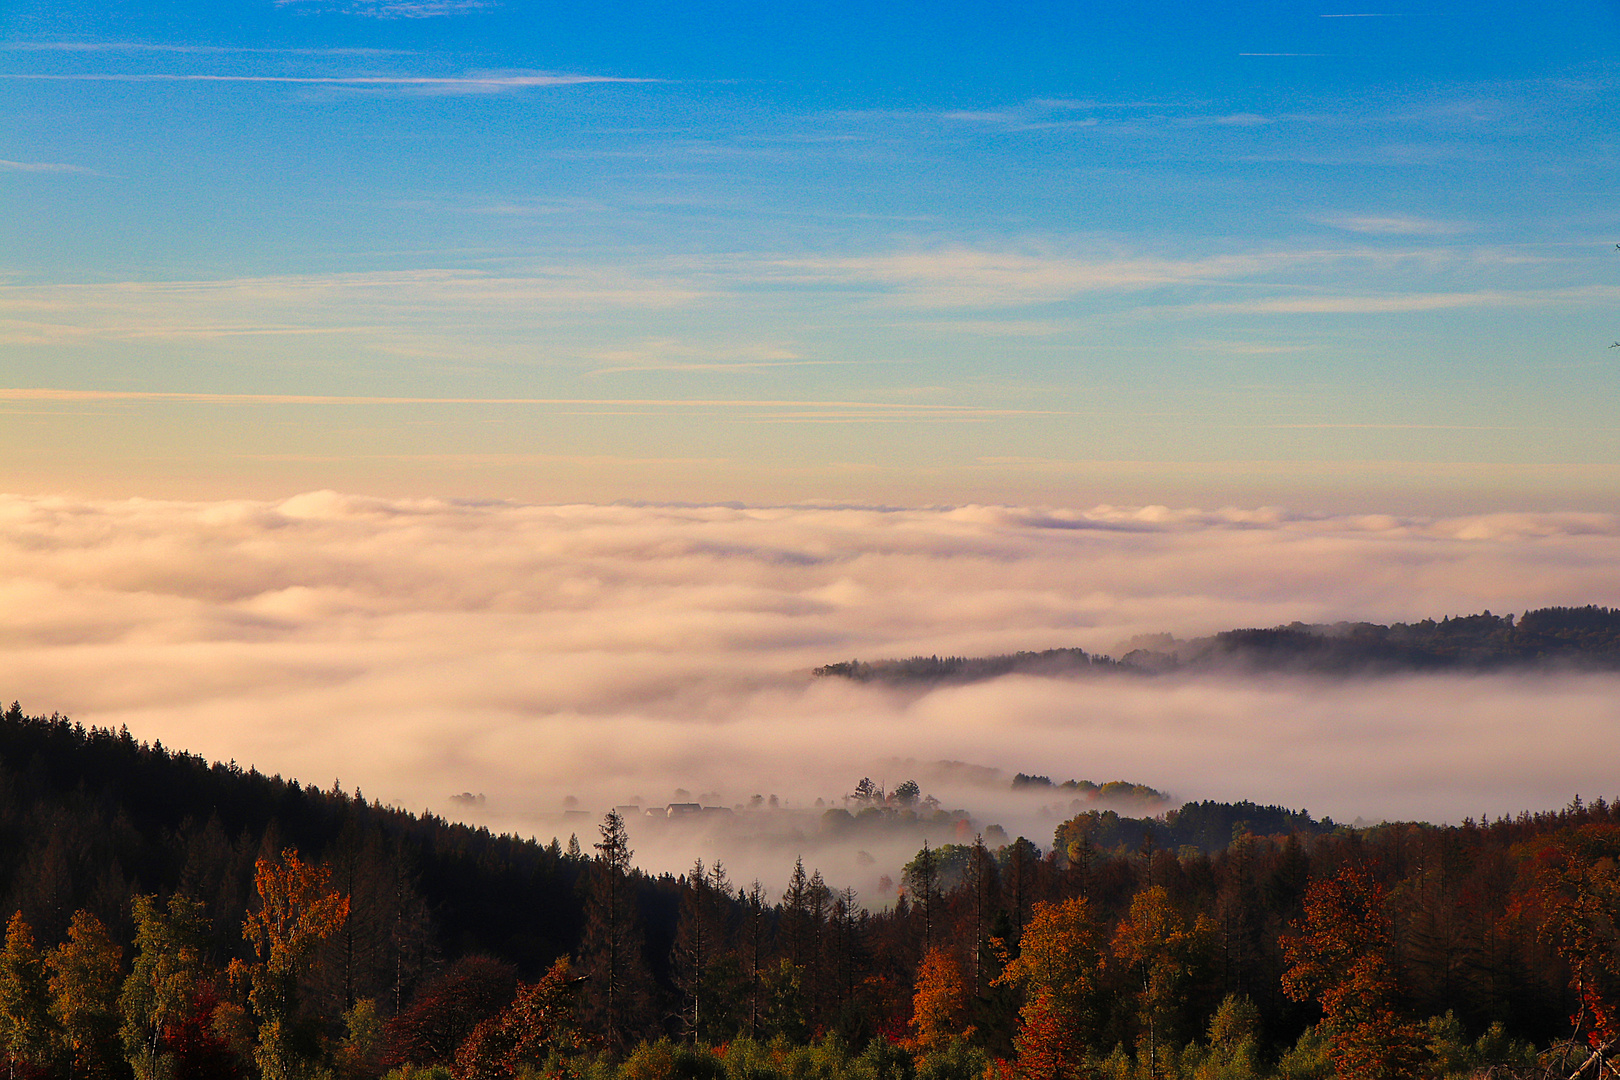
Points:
[(579, 310), (977, 277), (390, 9), (45, 167), (1394, 224), (782, 410), (170, 47), (667, 354), (428, 83), (1119, 117)]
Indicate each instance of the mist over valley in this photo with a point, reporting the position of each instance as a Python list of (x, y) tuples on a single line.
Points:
[(530, 655)]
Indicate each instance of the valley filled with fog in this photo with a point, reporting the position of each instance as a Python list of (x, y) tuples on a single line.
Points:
[(528, 667)]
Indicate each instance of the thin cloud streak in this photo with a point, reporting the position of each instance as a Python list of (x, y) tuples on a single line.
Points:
[(1393, 224), (491, 82), (1396, 304), (45, 167), (846, 408), (921, 280), (391, 9), (164, 47)]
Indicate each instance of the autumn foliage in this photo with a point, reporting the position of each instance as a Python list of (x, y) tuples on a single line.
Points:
[(307, 935), (1340, 957)]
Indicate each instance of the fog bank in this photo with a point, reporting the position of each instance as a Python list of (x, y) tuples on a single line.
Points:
[(610, 654)]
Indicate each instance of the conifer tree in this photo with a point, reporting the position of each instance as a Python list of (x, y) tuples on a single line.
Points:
[(617, 973), (697, 939), (754, 946), (922, 878)]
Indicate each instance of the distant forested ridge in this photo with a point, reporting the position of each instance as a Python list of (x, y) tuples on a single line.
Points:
[(966, 669), (172, 919), (1556, 637)]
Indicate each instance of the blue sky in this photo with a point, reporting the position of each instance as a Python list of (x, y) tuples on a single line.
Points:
[(1328, 255)]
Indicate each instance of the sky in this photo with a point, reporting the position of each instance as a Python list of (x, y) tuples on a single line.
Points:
[(518, 399), (1337, 257)]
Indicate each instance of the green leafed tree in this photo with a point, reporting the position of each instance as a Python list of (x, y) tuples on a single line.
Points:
[(164, 980)]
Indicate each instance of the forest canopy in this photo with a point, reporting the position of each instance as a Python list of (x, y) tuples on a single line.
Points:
[(170, 917)]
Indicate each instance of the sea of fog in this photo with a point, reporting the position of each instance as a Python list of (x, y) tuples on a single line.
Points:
[(548, 662)]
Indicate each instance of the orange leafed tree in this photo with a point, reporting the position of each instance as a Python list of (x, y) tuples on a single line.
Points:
[(1057, 967), (297, 909), (1340, 957), (939, 1005)]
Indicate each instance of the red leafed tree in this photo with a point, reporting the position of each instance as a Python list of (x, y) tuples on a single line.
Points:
[(1340, 956), (446, 1010), (542, 1019), (1579, 891), (1047, 1049), (199, 1052)]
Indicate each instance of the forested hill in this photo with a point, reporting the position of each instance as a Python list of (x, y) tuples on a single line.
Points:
[(90, 818), (390, 946), (1557, 637)]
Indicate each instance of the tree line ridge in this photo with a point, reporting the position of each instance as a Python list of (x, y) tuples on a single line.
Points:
[(1553, 637)]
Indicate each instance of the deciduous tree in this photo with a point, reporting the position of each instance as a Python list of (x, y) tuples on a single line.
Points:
[(1339, 956), (28, 1032), (939, 1004), (1057, 968), (541, 1020), (297, 909), (1162, 952), (84, 977), (164, 981)]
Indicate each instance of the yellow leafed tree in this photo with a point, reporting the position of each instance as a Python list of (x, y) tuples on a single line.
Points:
[(1162, 952), (27, 1031), (84, 983)]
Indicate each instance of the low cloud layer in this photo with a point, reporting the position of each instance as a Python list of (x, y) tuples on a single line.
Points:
[(616, 653)]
